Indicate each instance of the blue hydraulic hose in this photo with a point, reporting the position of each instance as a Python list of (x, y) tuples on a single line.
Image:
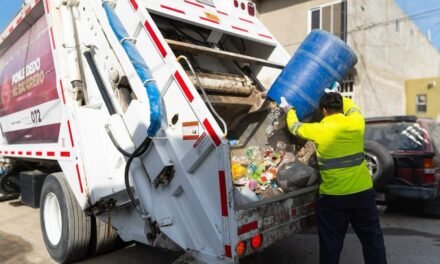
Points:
[(141, 68)]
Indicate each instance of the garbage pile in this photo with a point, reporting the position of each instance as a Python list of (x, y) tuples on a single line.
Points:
[(266, 172)]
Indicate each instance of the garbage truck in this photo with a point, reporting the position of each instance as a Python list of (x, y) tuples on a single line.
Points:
[(120, 120)]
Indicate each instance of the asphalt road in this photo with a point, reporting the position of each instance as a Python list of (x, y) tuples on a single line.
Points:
[(409, 238)]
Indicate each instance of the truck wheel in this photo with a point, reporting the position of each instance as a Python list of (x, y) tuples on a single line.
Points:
[(104, 238), (66, 228), (380, 163)]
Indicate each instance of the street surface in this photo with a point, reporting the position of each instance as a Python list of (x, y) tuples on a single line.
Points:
[(409, 238)]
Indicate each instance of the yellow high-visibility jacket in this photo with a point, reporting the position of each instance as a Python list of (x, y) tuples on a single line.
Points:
[(339, 140)]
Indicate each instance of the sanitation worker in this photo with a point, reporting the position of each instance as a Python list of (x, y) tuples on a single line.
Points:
[(346, 192)]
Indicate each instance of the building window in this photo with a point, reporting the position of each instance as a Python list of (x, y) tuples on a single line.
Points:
[(330, 17), (347, 86), (421, 101)]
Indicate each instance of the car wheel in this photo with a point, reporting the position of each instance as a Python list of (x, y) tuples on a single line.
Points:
[(66, 228), (380, 164)]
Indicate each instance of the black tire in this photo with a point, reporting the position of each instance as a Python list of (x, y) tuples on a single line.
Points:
[(104, 238), (10, 184), (70, 242), (380, 163)]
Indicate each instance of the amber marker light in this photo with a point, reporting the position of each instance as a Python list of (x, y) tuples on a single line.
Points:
[(241, 248)]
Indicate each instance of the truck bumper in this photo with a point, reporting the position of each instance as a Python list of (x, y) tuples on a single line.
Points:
[(277, 217)]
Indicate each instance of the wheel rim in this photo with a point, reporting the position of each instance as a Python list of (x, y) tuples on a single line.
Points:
[(52, 218), (372, 164)]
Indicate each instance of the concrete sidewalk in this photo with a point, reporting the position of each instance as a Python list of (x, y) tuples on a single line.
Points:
[(20, 235)]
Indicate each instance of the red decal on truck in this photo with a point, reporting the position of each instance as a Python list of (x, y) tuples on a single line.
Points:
[(183, 86), (264, 36), (246, 20), (28, 10), (228, 251), (62, 92), (172, 9), (223, 196), (248, 227), (223, 13), (70, 133), (211, 132), (65, 154), (194, 4), (241, 29), (134, 4), (155, 39), (47, 6), (209, 20), (19, 20), (53, 39), (79, 179)]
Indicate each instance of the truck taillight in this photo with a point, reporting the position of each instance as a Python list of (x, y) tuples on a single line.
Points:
[(243, 6), (236, 3), (428, 171), (241, 248), (257, 241), (427, 163), (429, 178), (251, 9)]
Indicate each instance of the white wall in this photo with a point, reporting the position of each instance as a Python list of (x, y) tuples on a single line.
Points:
[(386, 57)]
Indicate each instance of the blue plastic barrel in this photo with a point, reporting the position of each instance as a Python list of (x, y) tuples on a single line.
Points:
[(321, 60)]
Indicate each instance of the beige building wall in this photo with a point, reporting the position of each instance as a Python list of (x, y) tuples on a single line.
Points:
[(287, 20), (429, 87), (389, 52)]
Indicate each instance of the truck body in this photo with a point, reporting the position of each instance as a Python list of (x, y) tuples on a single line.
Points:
[(75, 106)]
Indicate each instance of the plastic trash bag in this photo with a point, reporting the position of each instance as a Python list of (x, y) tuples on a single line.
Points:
[(243, 195), (295, 175)]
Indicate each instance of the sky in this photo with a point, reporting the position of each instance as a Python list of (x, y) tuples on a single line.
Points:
[(425, 14), (8, 10)]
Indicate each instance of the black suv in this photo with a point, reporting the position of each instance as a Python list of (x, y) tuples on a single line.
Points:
[(403, 155)]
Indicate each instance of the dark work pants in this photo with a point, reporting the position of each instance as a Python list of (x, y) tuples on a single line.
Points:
[(334, 213)]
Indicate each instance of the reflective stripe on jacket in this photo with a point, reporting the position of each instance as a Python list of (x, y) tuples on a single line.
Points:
[(339, 140)]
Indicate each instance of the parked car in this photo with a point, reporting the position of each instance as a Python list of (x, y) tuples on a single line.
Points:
[(403, 155)]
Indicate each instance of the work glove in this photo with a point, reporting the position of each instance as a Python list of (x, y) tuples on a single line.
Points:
[(333, 89), (284, 105)]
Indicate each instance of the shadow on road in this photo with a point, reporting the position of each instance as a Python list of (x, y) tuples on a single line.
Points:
[(135, 254), (13, 249)]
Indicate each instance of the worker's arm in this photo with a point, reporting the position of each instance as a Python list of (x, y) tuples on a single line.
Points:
[(353, 112), (307, 131)]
